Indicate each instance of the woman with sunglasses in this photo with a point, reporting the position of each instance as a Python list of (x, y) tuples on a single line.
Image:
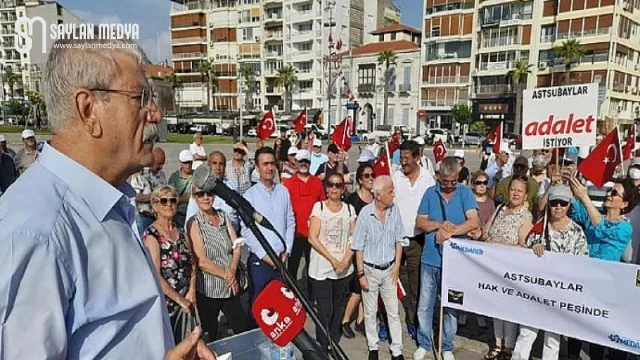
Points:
[(358, 199), (563, 236), (608, 236), (212, 236), (505, 227), (171, 255), (330, 270)]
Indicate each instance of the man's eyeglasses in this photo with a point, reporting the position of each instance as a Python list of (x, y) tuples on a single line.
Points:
[(165, 201), (146, 96), (448, 182), (308, 162), (201, 194), (562, 203), (337, 185)]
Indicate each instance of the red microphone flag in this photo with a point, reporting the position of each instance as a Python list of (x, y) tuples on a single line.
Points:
[(495, 137), (630, 145), (342, 134), (300, 121), (601, 164), (266, 126), (439, 151), (279, 313)]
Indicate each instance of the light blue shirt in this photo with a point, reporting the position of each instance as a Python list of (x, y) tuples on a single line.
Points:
[(219, 204), (492, 171), (275, 205), (378, 241), (77, 281), (316, 161)]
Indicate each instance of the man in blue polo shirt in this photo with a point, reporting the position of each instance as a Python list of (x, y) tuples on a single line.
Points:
[(447, 210)]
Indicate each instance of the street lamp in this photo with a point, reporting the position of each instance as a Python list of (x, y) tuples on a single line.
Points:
[(331, 4)]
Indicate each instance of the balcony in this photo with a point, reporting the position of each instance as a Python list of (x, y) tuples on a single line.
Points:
[(515, 19), (438, 103), (274, 90), (306, 15), (273, 54), (493, 89), (272, 2), (581, 34), (548, 38), (366, 88), (498, 42), (9, 4), (271, 72), (272, 18), (405, 88), (187, 71), (9, 44), (497, 66), (273, 35), (443, 56), (192, 55), (301, 36), (10, 18), (189, 6), (445, 80), (189, 40)]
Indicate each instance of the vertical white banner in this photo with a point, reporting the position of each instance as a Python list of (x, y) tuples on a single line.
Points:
[(588, 299)]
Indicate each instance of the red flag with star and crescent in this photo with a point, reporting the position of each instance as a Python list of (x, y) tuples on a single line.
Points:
[(601, 164), (630, 145), (394, 144), (439, 151), (300, 121), (342, 134), (266, 126), (382, 166)]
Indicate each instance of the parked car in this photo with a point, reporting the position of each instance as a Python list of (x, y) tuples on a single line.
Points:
[(364, 135), (318, 130), (252, 132), (205, 129), (473, 138), (433, 135)]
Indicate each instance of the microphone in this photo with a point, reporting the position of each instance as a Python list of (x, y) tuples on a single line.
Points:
[(206, 180), (281, 317)]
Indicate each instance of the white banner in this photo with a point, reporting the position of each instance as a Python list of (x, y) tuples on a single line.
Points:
[(560, 116), (588, 299)]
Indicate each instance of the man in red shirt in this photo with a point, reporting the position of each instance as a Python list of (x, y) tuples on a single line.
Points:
[(305, 190)]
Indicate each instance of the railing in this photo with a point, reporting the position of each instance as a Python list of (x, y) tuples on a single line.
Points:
[(301, 52), (9, 44), (447, 80), (189, 40), (432, 56), (272, 17), (493, 89), (273, 54), (437, 103), (366, 88), (8, 32), (191, 5), (496, 66), (595, 58), (547, 38), (405, 87), (186, 71), (449, 7), (274, 90), (269, 35), (502, 41), (188, 55), (249, 56), (7, 4), (193, 85), (302, 33), (580, 34), (8, 18)]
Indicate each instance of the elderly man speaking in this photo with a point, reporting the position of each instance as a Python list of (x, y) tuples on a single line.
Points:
[(77, 281)]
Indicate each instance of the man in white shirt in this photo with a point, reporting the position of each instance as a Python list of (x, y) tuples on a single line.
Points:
[(410, 183), (424, 161), (197, 151), (373, 146)]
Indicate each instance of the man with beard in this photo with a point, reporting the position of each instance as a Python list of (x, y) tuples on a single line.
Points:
[(305, 190), (78, 279), (447, 209)]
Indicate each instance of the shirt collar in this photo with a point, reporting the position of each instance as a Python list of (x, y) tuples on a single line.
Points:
[(99, 195), (262, 186)]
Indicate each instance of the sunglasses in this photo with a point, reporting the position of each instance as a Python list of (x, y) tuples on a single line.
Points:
[(614, 192), (478, 182), (448, 182), (337, 185), (239, 151), (166, 201), (562, 203), (368, 176), (308, 162), (201, 194)]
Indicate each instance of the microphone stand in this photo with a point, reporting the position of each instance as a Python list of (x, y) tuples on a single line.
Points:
[(338, 352)]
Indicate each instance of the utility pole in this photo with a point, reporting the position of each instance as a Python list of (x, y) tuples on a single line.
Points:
[(241, 102), (330, 80)]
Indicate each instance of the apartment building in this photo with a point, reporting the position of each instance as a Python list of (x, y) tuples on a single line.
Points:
[(469, 63), (30, 65), (366, 78)]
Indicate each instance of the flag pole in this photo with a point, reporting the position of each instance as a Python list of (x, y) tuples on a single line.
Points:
[(439, 357), (620, 149), (557, 161), (386, 148)]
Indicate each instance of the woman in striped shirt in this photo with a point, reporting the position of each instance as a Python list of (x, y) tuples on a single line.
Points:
[(218, 284)]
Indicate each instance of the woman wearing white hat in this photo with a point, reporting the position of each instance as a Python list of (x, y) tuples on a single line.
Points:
[(289, 166)]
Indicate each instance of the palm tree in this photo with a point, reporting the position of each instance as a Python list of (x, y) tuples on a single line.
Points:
[(37, 105), (388, 59), (12, 79), (175, 82), (570, 51), (287, 77), (517, 75), (246, 74), (206, 68)]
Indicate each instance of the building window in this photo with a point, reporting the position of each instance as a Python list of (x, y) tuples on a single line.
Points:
[(393, 36), (405, 117), (381, 37), (366, 74), (390, 115), (435, 31)]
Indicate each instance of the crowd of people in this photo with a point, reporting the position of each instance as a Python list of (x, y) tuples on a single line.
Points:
[(82, 246)]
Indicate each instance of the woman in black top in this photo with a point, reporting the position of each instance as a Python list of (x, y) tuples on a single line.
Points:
[(359, 199)]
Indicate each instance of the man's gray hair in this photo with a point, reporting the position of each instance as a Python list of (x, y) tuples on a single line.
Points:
[(379, 183), (76, 64), (220, 153), (449, 166)]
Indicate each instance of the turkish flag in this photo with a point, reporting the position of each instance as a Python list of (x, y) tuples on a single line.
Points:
[(495, 138), (439, 151), (382, 166), (266, 126), (300, 121), (342, 134), (601, 164), (394, 144), (630, 145)]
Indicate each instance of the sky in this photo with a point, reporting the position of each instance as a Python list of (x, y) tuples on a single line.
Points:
[(152, 16)]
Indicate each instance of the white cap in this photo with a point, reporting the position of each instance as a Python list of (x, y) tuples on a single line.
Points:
[(303, 155), (317, 142), (292, 150), (185, 156), (28, 133), (365, 156), (459, 154), (2, 138), (504, 147), (419, 140)]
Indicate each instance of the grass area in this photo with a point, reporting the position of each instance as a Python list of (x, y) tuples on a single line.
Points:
[(206, 139), (14, 129)]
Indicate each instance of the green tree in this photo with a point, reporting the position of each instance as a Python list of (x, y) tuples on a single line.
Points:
[(246, 74), (570, 51), (37, 104), (463, 115), (174, 81), (479, 126), (206, 68), (517, 76), (387, 58), (287, 78), (12, 79)]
